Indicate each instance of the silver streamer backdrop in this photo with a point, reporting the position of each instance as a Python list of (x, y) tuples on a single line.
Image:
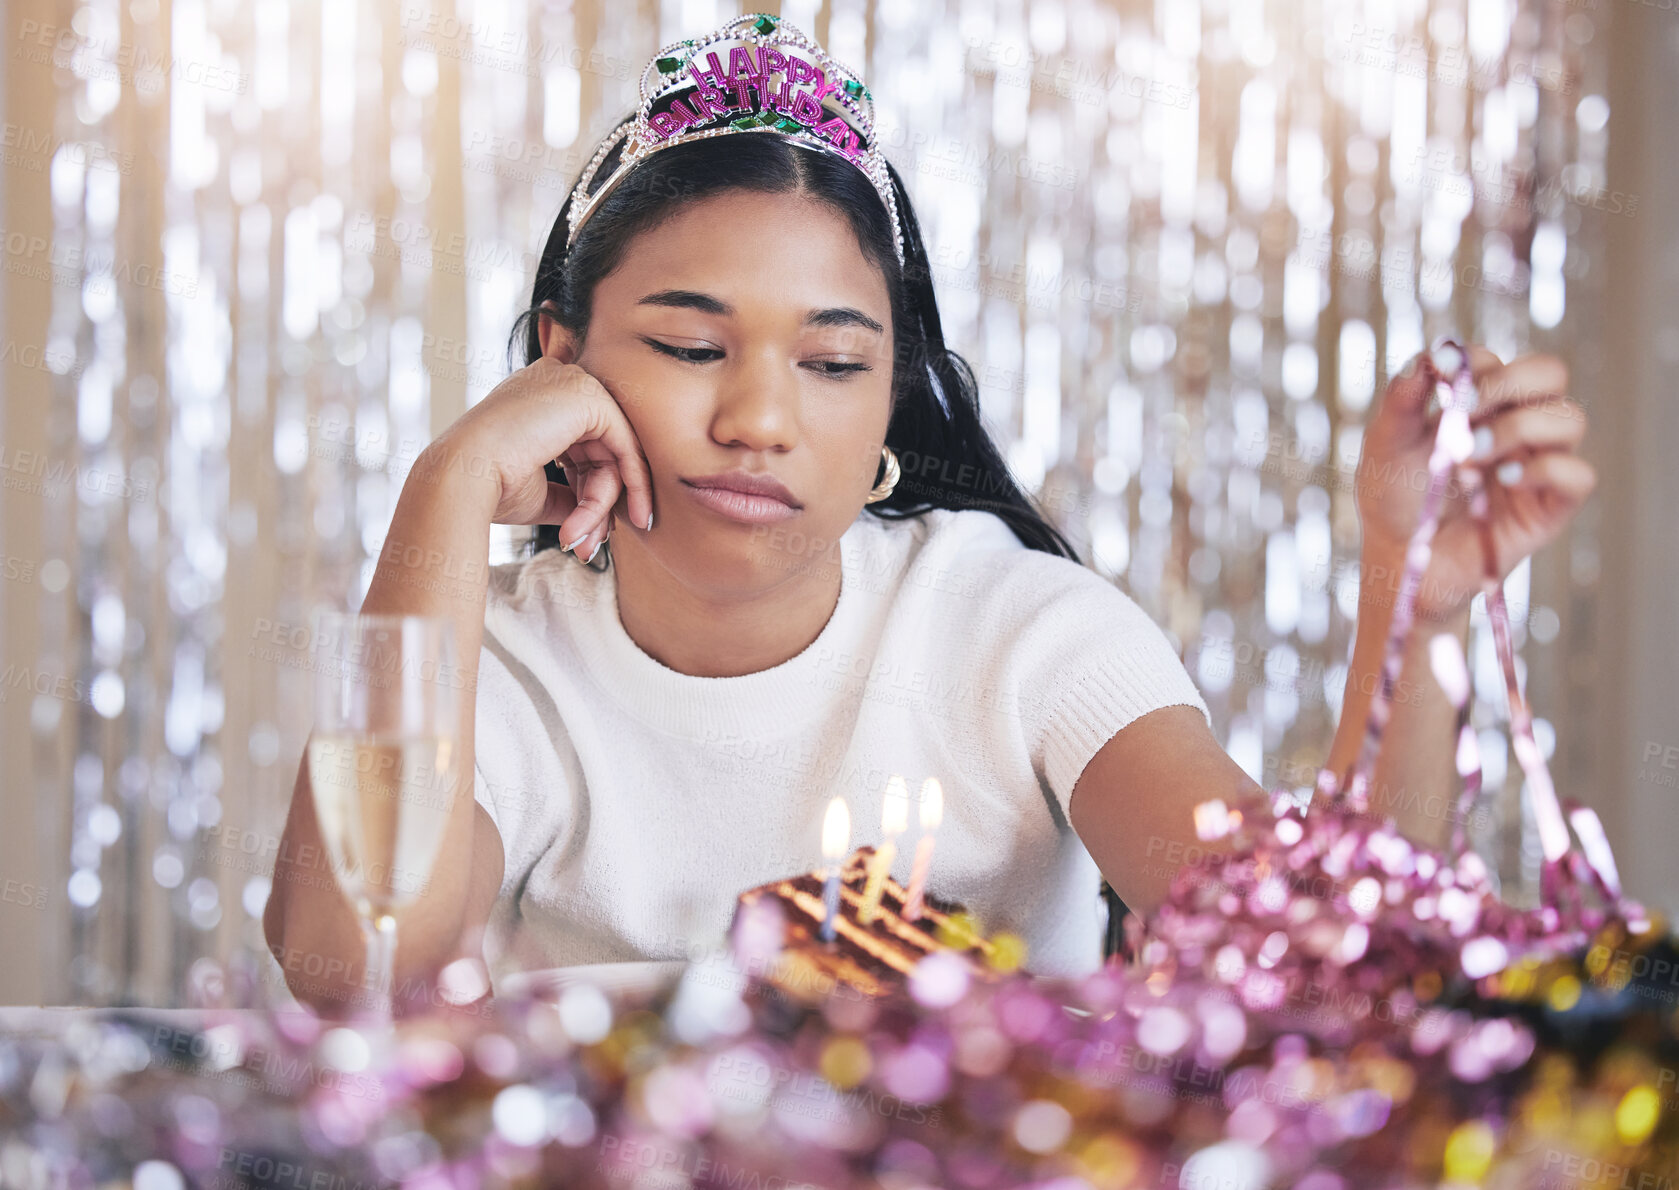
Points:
[(1183, 245)]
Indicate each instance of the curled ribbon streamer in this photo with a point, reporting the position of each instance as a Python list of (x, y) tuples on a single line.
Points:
[(1451, 443), (1561, 904)]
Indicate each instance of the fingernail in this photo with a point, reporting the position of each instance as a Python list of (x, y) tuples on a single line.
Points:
[(595, 551), (1483, 442), (649, 522), (1509, 473), (574, 544)]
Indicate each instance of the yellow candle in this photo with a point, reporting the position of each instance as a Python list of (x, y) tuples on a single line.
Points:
[(932, 813), (894, 820)]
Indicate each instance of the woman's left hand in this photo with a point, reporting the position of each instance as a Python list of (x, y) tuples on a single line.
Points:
[(1527, 433)]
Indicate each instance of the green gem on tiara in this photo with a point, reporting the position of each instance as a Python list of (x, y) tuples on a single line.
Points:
[(854, 89), (668, 65), (764, 25), (783, 124), (745, 123)]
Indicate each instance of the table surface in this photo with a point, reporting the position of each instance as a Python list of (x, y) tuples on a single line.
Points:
[(50, 1021)]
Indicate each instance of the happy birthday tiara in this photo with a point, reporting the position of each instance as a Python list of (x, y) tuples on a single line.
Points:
[(688, 93)]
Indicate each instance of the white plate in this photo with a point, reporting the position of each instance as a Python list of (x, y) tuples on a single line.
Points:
[(608, 977)]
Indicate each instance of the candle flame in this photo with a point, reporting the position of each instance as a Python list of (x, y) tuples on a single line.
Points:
[(932, 804), (894, 813), (836, 830)]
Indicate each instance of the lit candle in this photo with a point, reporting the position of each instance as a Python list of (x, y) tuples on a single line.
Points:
[(836, 837), (894, 820), (932, 813)]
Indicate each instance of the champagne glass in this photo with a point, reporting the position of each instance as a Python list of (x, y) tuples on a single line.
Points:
[(382, 762)]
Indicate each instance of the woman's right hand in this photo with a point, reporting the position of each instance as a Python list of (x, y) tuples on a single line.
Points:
[(486, 467), (545, 411)]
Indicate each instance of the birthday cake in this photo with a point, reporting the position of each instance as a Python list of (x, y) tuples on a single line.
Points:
[(872, 957)]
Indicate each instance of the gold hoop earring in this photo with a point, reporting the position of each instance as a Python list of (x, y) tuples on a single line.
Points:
[(889, 481)]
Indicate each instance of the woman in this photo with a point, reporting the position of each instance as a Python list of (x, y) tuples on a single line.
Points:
[(723, 334)]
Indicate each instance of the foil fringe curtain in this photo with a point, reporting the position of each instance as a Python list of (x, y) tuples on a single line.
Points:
[(1182, 244)]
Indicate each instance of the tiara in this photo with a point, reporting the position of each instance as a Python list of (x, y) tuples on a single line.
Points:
[(774, 79)]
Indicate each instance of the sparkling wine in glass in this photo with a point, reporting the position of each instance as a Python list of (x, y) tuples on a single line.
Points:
[(382, 766)]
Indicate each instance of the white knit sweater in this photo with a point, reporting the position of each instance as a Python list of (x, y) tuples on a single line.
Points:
[(636, 803)]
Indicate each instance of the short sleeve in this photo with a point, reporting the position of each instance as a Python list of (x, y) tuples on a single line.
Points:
[(481, 794), (1086, 661), (520, 744)]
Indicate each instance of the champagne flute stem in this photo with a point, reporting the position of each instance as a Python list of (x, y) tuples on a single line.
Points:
[(381, 961)]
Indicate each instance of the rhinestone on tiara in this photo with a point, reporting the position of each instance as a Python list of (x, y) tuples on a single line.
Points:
[(757, 73)]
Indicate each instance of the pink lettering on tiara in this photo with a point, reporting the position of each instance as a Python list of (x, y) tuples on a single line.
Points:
[(682, 113), (799, 71), (711, 76), (805, 109), (835, 129), (780, 100), (744, 93), (741, 63), (709, 104), (665, 124), (771, 59)]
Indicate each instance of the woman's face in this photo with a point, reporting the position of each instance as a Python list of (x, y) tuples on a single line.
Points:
[(747, 333)]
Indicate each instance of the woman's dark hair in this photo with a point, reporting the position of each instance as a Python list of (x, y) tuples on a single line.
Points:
[(947, 458)]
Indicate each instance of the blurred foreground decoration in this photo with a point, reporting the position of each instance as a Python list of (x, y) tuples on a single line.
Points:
[(1183, 250), (1328, 1036)]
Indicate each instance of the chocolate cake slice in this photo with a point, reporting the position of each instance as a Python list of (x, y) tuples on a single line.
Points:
[(873, 959)]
